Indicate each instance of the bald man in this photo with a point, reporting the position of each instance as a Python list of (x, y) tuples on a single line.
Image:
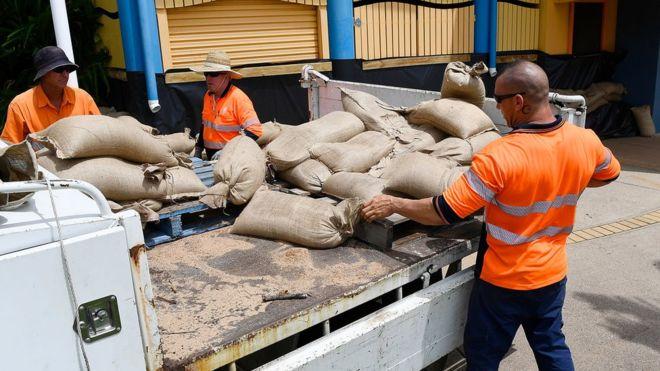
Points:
[(529, 183)]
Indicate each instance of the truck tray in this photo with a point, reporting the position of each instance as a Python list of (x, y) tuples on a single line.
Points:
[(208, 289)]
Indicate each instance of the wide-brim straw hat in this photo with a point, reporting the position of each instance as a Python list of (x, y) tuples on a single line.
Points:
[(217, 61)]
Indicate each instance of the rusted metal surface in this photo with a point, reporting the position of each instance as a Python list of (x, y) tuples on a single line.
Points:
[(208, 288)]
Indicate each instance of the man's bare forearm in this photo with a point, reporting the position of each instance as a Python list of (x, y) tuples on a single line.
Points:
[(421, 211)]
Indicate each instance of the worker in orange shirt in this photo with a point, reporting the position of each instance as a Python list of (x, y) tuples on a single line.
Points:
[(227, 111), (49, 101), (529, 183)]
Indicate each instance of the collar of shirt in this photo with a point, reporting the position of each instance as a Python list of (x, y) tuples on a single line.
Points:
[(43, 101), (539, 128)]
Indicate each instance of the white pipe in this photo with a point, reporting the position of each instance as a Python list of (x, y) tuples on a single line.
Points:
[(63, 35), (559, 98)]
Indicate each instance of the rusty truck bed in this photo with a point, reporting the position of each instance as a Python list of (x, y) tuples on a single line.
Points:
[(208, 288)]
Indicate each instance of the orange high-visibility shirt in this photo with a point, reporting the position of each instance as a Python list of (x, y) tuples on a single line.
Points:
[(31, 111), (224, 118), (529, 182)]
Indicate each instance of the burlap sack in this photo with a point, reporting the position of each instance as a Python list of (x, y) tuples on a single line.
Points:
[(292, 146), (462, 150), (270, 131), (133, 121), (310, 175), (95, 135), (418, 175), (358, 154), (423, 136), (454, 117), (238, 173), (146, 209), (119, 180), (644, 120), (452, 175), (376, 114), (298, 219), (179, 142), (354, 185), (463, 82), (17, 163)]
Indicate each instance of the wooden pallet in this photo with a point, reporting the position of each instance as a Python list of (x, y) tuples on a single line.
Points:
[(186, 219), (204, 170)]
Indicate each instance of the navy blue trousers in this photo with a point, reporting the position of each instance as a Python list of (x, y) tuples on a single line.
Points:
[(494, 315)]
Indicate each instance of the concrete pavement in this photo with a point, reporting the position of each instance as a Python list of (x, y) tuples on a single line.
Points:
[(612, 307)]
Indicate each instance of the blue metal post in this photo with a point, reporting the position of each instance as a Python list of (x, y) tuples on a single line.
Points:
[(492, 55), (130, 35), (340, 29), (481, 29), (151, 48)]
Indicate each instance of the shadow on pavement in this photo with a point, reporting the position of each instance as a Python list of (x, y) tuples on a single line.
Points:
[(632, 319)]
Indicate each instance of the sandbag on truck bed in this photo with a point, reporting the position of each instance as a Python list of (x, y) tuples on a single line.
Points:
[(17, 163), (463, 82), (270, 131), (238, 173), (310, 175), (292, 146), (119, 180), (353, 185), (453, 116), (418, 175), (298, 219), (358, 154), (462, 150), (94, 136), (179, 142)]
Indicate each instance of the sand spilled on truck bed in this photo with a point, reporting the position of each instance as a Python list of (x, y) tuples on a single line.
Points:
[(208, 288)]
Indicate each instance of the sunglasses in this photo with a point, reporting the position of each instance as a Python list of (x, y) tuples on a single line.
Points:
[(500, 98), (61, 69), (214, 74)]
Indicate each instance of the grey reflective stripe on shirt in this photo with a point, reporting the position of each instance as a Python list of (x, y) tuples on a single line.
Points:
[(511, 238), (249, 123), (223, 128), (606, 161), (538, 206), (478, 186), (213, 145)]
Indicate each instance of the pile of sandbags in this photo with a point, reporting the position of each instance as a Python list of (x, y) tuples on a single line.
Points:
[(291, 147), (354, 185), (452, 116), (598, 94), (301, 220), (238, 173), (120, 158), (357, 154), (463, 82)]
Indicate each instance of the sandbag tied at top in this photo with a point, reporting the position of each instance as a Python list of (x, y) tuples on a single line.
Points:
[(119, 180), (376, 114), (418, 175), (130, 120), (309, 175), (95, 135), (292, 146), (463, 82), (301, 220), (238, 173), (462, 150), (270, 131), (354, 185), (17, 163), (358, 154), (453, 116)]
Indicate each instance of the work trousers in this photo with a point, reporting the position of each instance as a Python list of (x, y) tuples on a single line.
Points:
[(494, 315)]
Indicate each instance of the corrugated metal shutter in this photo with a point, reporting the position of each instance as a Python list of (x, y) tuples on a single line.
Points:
[(251, 31), (171, 4), (517, 26)]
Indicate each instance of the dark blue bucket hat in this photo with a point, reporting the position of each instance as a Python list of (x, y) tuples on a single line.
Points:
[(49, 58)]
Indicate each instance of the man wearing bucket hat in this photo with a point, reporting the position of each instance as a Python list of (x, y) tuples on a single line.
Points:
[(49, 101), (227, 110)]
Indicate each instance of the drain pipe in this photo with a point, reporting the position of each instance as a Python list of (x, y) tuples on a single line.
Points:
[(146, 21), (492, 52), (63, 35)]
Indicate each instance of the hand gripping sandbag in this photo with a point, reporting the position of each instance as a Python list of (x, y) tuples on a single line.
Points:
[(238, 173), (353, 185), (17, 163), (292, 146), (358, 154), (297, 219), (462, 150), (309, 176), (119, 180), (418, 175), (95, 135), (453, 116), (463, 82)]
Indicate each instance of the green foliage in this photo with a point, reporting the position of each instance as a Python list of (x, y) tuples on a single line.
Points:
[(27, 25)]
